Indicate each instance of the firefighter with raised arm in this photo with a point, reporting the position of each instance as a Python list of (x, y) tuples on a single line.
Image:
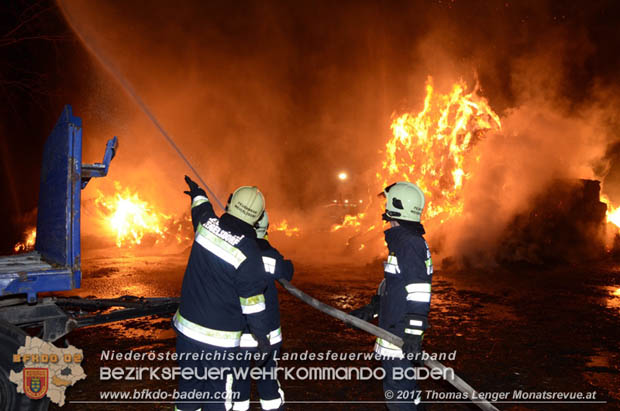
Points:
[(222, 295), (269, 389), (404, 296)]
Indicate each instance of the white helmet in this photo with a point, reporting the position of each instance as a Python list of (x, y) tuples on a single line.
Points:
[(405, 201), (247, 204), (261, 226)]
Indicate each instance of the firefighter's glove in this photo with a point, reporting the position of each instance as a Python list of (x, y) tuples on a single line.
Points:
[(288, 270), (412, 344), (264, 348), (363, 313), (368, 312), (194, 190), (415, 325)]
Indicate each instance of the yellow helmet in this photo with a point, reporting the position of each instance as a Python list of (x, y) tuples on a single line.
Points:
[(405, 201), (247, 204)]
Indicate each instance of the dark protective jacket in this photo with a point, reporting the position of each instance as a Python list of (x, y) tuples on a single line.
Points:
[(224, 285), (405, 300), (275, 267)]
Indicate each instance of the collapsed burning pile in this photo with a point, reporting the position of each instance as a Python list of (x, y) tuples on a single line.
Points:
[(134, 221), (437, 148), (565, 223), (433, 149), (125, 220)]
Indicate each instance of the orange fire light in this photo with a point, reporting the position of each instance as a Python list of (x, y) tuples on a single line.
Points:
[(613, 213), (129, 218), (30, 237), (288, 231), (431, 149), (349, 221)]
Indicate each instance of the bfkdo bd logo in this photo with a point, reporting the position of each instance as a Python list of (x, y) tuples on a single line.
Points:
[(36, 382)]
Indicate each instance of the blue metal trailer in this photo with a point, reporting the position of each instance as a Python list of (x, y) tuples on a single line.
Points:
[(54, 265)]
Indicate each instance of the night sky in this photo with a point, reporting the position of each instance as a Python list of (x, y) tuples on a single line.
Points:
[(307, 71)]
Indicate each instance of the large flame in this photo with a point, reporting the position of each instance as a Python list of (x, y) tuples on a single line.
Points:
[(613, 213), (284, 227), (349, 221), (130, 218), (28, 242), (431, 149)]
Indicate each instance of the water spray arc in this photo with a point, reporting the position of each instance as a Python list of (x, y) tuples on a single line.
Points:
[(457, 382), (90, 45)]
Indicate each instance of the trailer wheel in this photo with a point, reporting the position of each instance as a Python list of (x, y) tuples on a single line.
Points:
[(11, 338)]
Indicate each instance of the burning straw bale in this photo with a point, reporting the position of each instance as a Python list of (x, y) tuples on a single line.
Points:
[(566, 223)]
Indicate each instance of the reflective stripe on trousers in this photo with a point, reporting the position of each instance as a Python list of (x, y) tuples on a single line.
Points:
[(387, 349), (206, 335), (229, 384), (241, 405)]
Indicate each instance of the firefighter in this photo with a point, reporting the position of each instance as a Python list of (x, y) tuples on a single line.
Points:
[(404, 296), (275, 267), (221, 296)]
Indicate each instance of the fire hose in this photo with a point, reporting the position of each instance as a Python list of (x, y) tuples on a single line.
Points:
[(456, 381)]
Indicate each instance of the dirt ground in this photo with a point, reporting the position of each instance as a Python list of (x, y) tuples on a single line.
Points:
[(528, 329)]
